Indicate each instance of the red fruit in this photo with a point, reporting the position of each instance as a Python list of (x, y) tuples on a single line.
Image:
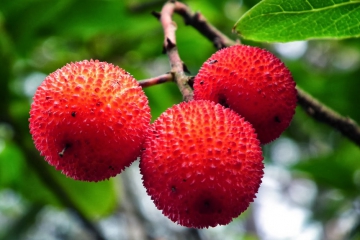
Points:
[(252, 82), (89, 120), (202, 164)]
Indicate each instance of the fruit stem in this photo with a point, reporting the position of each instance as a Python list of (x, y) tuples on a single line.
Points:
[(156, 80), (61, 154), (178, 68)]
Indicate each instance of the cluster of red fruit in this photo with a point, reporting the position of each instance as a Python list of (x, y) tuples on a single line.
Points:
[(201, 161)]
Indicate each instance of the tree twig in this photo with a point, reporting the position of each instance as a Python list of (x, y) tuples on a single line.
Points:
[(323, 113), (199, 22), (178, 68), (313, 107), (156, 80)]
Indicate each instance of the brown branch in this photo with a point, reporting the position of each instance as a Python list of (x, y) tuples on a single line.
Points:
[(156, 80), (199, 22), (313, 107), (323, 113), (178, 68)]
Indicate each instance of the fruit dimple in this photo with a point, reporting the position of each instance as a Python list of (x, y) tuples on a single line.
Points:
[(83, 129), (192, 159), (252, 82)]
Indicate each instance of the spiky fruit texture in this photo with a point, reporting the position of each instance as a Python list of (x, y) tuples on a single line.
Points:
[(202, 164), (89, 120), (254, 83)]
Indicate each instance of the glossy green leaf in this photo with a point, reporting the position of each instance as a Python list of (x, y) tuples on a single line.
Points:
[(284, 21)]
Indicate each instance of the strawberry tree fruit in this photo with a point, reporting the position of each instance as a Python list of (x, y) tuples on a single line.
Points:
[(254, 83), (89, 120), (202, 164)]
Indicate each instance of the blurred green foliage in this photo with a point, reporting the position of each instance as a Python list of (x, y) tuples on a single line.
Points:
[(39, 36)]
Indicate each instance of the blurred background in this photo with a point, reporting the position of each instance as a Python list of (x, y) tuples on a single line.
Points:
[(311, 186)]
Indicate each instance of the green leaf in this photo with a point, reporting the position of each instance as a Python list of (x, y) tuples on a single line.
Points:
[(11, 163), (285, 21), (42, 184), (95, 199), (33, 189)]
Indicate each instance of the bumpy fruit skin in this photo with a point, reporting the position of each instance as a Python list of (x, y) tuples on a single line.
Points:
[(252, 82), (89, 119), (202, 164)]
